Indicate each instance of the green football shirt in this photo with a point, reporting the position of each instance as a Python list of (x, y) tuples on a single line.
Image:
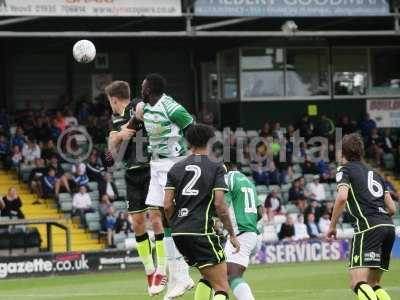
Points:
[(164, 123), (243, 202)]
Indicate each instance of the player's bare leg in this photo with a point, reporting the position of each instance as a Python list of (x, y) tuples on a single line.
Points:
[(359, 284), (217, 276), (374, 280), (239, 286), (144, 246)]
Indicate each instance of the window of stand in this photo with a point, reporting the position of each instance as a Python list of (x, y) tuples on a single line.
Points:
[(350, 71), (229, 70), (385, 65)]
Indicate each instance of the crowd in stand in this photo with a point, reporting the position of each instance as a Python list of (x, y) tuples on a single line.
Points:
[(33, 145)]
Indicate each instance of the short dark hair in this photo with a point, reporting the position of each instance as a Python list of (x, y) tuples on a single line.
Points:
[(353, 147), (198, 135), (118, 89), (156, 83)]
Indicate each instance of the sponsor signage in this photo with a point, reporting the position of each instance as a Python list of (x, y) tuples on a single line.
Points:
[(66, 263), (291, 8), (302, 251), (385, 112), (91, 8)]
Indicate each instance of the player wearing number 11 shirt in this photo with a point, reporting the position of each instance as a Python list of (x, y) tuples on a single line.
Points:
[(362, 191)]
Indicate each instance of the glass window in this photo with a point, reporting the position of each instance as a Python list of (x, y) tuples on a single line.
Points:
[(262, 72), (385, 71), (306, 72), (350, 71), (229, 74)]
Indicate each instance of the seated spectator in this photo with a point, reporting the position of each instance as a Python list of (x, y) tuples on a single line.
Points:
[(30, 152), (347, 125), (273, 206), (11, 204), (49, 150), (79, 176), (105, 204), (62, 183), (259, 165), (374, 146), (16, 156), (36, 178), (308, 167), (49, 183), (324, 222), (94, 168), (42, 129), (19, 138), (265, 130), (325, 171), (5, 152), (300, 229), (82, 204), (60, 121), (312, 228), (296, 195), (274, 176), (108, 187), (388, 143), (287, 230), (55, 131), (110, 225), (315, 209), (70, 120), (123, 224), (390, 188), (367, 125), (316, 190)]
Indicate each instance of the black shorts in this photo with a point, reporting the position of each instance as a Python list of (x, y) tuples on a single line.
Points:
[(200, 250), (137, 186), (372, 248)]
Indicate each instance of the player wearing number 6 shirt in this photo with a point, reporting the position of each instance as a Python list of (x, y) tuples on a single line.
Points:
[(362, 191), (194, 195), (245, 211)]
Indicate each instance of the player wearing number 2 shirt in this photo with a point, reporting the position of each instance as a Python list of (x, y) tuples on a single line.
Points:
[(362, 191)]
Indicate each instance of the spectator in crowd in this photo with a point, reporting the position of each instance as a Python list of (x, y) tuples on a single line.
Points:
[(259, 165), (16, 156), (110, 224), (123, 224), (347, 125), (274, 176), (11, 204), (108, 187), (49, 150), (324, 222), (374, 146), (300, 229), (314, 208), (296, 195), (105, 204), (94, 168), (286, 232), (273, 206), (325, 171), (69, 119), (265, 130), (36, 178), (62, 183), (19, 138), (82, 204), (277, 132), (42, 130), (30, 152), (316, 190), (4, 152), (55, 131), (306, 127), (60, 121), (366, 126), (49, 183), (325, 126), (390, 188), (308, 166), (312, 228)]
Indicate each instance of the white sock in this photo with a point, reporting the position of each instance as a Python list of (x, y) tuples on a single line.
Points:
[(243, 292), (178, 268)]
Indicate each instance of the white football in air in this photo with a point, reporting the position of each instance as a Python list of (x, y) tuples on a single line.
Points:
[(84, 51)]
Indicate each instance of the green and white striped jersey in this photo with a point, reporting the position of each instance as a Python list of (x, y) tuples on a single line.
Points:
[(243, 202), (164, 124)]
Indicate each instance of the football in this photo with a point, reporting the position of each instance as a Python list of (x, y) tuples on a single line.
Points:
[(84, 51)]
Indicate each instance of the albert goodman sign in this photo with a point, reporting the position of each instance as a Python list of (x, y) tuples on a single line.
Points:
[(291, 8), (90, 8)]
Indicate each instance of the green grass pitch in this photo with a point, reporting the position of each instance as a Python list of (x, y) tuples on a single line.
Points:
[(311, 281)]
